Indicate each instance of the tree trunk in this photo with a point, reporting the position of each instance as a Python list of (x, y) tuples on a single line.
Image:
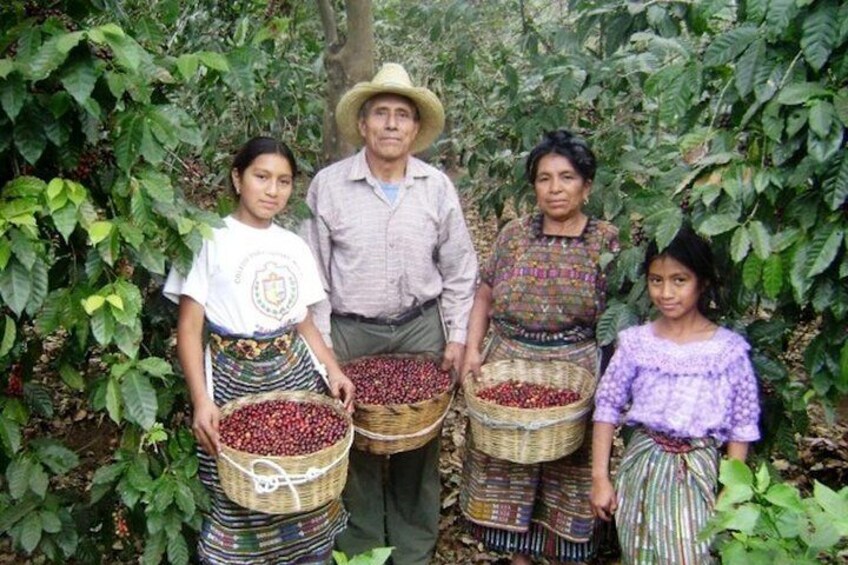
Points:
[(348, 59)]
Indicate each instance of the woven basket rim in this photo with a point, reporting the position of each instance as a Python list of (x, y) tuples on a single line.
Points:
[(309, 397)]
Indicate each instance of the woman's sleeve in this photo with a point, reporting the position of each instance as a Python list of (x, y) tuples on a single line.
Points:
[(613, 393), (745, 406)]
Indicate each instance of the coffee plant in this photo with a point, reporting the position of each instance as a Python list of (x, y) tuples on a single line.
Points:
[(761, 521)]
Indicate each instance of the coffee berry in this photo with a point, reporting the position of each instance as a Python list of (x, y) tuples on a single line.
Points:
[(282, 428), (528, 395), (397, 380)]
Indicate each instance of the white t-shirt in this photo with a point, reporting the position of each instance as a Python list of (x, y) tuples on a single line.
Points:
[(250, 280)]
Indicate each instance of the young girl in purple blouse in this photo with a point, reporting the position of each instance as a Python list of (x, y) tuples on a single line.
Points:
[(687, 387)]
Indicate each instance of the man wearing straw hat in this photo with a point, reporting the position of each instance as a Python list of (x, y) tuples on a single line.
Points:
[(399, 270)]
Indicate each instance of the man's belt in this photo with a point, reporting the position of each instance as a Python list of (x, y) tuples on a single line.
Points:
[(398, 320)]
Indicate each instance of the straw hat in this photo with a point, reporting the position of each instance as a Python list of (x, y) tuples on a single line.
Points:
[(391, 79)]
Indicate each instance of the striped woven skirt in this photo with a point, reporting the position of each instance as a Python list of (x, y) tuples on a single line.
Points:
[(231, 533), (539, 509), (665, 497)]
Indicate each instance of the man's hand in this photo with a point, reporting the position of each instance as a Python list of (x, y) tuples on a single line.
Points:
[(453, 357), (342, 387), (205, 426)]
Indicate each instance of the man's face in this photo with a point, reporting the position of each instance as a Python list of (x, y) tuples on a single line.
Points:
[(389, 126)]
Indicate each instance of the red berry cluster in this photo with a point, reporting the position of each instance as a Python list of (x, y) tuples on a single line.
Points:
[(528, 395), (15, 385), (396, 380), (85, 166), (282, 428), (119, 520)]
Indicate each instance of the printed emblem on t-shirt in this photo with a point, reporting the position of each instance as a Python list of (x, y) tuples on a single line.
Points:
[(275, 290)]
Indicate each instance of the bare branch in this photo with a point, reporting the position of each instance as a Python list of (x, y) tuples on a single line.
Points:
[(328, 22)]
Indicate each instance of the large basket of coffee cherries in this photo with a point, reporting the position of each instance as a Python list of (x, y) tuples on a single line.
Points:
[(284, 452), (400, 401), (529, 411)]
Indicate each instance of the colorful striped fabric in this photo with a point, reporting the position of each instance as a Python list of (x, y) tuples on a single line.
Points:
[(541, 509), (232, 534), (664, 501)]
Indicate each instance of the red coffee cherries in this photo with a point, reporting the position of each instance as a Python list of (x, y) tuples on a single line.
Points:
[(527, 395), (396, 380)]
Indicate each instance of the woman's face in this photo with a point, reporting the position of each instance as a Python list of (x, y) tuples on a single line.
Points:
[(264, 188), (560, 189)]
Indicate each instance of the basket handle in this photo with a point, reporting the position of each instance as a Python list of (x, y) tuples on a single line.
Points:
[(421, 432), (264, 484), (538, 425)]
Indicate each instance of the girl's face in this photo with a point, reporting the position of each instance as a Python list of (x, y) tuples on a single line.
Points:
[(560, 189), (673, 287), (264, 188)]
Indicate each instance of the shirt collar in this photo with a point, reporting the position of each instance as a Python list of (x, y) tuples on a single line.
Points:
[(415, 168)]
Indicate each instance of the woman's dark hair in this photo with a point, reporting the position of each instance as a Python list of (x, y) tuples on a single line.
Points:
[(262, 146), (694, 252), (562, 142)]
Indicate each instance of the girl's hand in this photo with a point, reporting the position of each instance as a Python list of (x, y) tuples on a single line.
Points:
[(205, 426), (342, 388), (603, 499), (471, 365)]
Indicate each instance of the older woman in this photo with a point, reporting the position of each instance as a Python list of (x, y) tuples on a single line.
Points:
[(541, 291)]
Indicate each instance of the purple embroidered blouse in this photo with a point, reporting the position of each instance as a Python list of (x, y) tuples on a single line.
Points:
[(693, 390)]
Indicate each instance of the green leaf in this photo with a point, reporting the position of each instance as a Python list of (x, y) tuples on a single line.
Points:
[(113, 400), (154, 549), (718, 223), (72, 377), (98, 231), (798, 273), (139, 399), (30, 532), (66, 42), (15, 286), (177, 549), (744, 519), (128, 140), (376, 556), (38, 398), (13, 94), (339, 558), (79, 80), (103, 326), (830, 501), (733, 495), (823, 249), (780, 13), (773, 276), (214, 60), (840, 105), (822, 149), (665, 224), (40, 281), (760, 239), (30, 139), (735, 472), (746, 67), (108, 474), (56, 456), (17, 477), (9, 333), (799, 92), (65, 220), (729, 45), (128, 53), (93, 303), (820, 32), (47, 60), (740, 244), (157, 186), (5, 252), (152, 258), (187, 64), (821, 117), (836, 185), (752, 271), (10, 434), (185, 499), (614, 319), (155, 366), (6, 67), (763, 479), (50, 522), (128, 338), (38, 480)]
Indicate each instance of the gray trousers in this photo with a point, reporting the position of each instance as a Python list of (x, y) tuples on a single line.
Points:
[(392, 500)]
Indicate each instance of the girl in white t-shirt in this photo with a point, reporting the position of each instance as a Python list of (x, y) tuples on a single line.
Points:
[(251, 286)]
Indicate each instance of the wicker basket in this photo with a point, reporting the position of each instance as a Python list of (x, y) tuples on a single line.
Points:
[(384, 429), (285, 484), (531, 435)]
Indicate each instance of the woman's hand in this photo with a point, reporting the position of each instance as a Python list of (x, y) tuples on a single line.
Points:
[(471, 365), (342, 388), (205, 426), (603, 499)]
